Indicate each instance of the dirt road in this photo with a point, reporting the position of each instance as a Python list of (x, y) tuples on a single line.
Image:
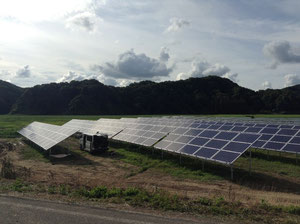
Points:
[(27, 211)]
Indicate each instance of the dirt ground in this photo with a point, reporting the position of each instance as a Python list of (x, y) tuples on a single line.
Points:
[(89, 170)]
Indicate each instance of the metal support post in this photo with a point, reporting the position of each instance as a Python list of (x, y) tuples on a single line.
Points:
[(296, 158), (268, 154), (231, 171), (180, 158), (162, 154), (250, 162), (202, 165)]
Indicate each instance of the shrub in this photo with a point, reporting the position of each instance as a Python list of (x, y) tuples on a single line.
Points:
[(8, 169)]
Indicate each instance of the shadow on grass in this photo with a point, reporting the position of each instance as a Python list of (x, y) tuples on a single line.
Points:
[(74, 158), (276, 156), (257, 180)]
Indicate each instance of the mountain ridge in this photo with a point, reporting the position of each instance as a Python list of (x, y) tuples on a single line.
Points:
[(206, 95)]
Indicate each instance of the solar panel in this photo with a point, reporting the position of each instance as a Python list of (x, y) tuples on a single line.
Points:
[(93, 127), (46, 135)]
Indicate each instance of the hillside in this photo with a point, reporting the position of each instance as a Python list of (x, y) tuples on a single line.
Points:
[(9, 93), (208, 95)]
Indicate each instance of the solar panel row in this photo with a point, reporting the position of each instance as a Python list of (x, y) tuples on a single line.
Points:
[(46, 135)]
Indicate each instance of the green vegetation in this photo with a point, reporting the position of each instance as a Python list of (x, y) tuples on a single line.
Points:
[(207, 95), (262, 212), (7, 169), (189, 169)]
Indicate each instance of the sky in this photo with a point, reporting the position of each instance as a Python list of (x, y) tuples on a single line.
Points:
[(254, 43)]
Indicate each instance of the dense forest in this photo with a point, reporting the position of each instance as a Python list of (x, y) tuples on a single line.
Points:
[(208, 95)]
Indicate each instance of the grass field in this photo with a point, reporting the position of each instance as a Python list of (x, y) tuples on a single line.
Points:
[(269, 195), (10, 124)]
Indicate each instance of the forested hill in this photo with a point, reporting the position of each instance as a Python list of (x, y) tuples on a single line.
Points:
[(208, 95), (9, 93)]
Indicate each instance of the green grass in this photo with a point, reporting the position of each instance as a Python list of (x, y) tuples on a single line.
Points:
[(10, 124), (262, 212), (263, 161), (144, 160), (29, 153)]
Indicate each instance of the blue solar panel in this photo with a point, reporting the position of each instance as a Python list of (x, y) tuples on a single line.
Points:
[(248, 138), (292, 148), (205, 152), (272, 125), (274, 145), (296, 127), (238, 128), (227, 157), (295, 140), (226, 135), (260, 125), (194, 125), (225, 128), (269, 130), (236, 147), (208, 134), (189, 149), (184, 139), (258, 144), (216, 144), (204, 126), (199, 141), (265, 137), (286, 126), (253, 129), (214, 127), (280, 138), (287, 132)]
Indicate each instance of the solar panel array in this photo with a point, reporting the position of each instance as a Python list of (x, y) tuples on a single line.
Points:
[(94, 127), (218, 139), (46, 135)]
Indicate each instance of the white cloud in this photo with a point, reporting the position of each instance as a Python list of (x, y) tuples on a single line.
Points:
[(176, 24), (216, 69), (231, 76), (24, 72), (182, 76), (84, 20), (281, 52), (204, 68), (71, 76), (291, 80), (267, 85), (134, 66)]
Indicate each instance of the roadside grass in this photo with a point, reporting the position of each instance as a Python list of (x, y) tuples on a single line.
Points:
[(262, 212)]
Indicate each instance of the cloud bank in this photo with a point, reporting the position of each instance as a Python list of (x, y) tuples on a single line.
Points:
[(291, 80), (281, 53), (204, 68), (130, 65)]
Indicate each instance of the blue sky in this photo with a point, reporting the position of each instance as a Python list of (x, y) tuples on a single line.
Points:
[(254, 43)]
